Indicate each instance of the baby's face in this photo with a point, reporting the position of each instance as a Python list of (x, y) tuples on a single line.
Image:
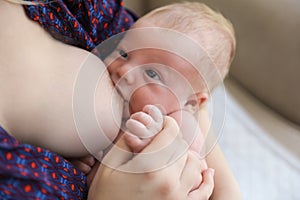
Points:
[(152, 76)]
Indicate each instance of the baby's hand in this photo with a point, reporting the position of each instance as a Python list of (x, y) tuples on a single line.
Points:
[(86, 163), (142, 126)]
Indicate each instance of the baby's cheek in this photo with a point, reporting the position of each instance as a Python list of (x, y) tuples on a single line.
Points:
[(154, 95)]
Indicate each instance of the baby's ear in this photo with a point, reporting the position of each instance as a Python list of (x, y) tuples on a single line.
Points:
[(195, 101)]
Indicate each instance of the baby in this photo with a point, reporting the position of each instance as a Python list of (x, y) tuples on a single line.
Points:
[(171, 58), (147, 70)]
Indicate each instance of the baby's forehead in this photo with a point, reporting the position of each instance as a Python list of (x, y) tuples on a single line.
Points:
[(198, 68), (180, 46)]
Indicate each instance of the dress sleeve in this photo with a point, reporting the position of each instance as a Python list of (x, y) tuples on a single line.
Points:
[(29, 172), (83, 23)]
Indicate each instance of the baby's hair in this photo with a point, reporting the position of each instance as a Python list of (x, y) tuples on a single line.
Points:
[(194, 18)]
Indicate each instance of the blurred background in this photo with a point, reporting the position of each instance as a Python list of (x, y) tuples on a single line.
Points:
[(261, 133)]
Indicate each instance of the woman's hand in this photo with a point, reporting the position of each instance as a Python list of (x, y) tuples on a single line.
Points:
[(163, 170)]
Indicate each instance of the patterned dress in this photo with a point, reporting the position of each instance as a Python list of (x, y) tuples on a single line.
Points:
[(29, 172), (82, 23)]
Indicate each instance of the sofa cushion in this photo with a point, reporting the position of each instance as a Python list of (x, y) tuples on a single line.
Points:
[(267, 61)]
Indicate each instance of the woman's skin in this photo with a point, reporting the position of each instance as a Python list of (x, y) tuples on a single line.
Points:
[(171, 183), (34, 67), (225, 182), (39, 73), (36, 107)]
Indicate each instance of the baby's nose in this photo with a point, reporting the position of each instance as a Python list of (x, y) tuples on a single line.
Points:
[(125, 74)]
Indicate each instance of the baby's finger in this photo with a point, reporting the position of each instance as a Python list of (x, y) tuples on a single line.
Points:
[(89, 160), (142, 117), (163, 150), (157, 118), (154, 112), (82, 166), (137, 128), (135, 143)]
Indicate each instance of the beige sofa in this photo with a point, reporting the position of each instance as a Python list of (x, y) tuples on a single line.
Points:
[(267, 62), (261, 134)]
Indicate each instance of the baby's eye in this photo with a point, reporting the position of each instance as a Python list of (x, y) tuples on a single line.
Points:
[(152, 74), (123, 54)]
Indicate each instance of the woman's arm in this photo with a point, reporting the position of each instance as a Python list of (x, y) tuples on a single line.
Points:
[(168, 181), (226, 186)]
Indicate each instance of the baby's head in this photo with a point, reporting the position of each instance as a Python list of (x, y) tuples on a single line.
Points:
[(148, 68), (210, 29)]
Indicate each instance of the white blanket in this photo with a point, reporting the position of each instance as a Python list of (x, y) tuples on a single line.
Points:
[(262, 148)]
